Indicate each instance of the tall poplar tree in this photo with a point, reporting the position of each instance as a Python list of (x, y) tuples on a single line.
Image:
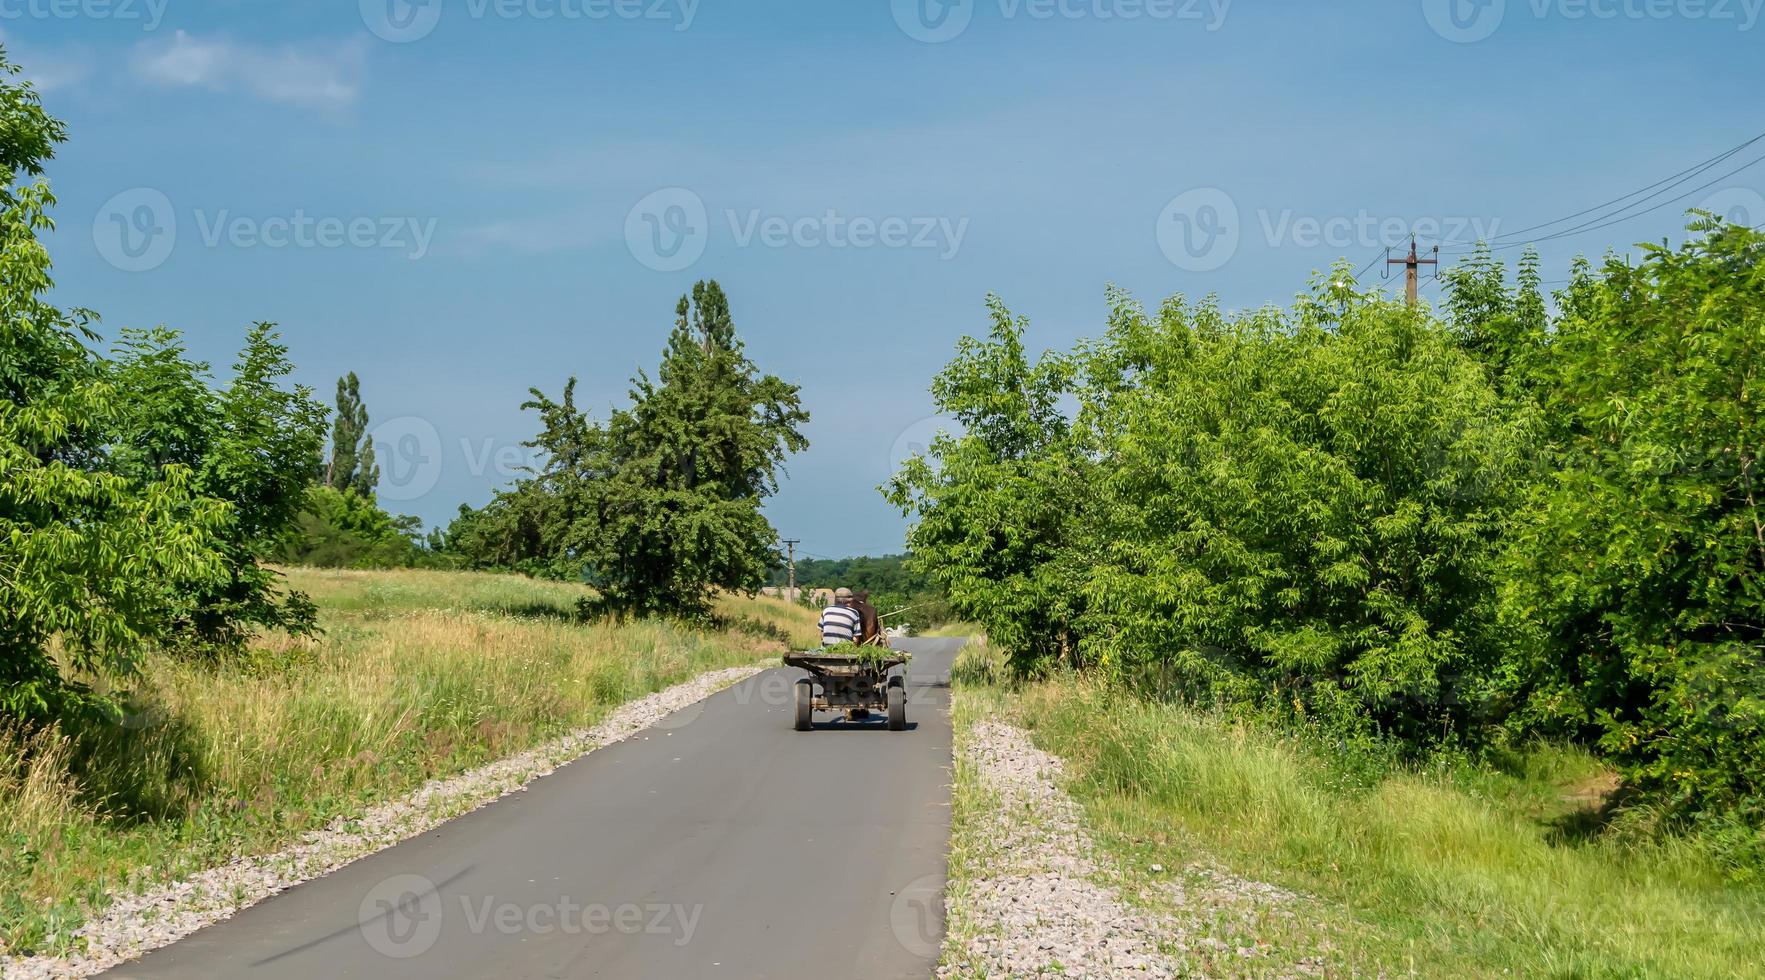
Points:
[(352, 465)]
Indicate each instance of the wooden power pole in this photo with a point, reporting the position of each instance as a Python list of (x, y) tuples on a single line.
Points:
[(791, 545), (1411, 266)]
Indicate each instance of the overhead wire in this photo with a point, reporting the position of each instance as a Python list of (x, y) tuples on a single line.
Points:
[(1688, 173)]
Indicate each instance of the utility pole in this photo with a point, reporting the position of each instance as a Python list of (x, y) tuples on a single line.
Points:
[(791, 545), (1411, 266)]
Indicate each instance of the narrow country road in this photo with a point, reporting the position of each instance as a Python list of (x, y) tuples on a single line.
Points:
[(719, 843)]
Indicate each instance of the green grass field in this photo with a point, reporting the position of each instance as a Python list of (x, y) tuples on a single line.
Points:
[(419, 674), (1450, 873)]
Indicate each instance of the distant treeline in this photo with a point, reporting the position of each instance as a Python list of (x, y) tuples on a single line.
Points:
[(892, 583)]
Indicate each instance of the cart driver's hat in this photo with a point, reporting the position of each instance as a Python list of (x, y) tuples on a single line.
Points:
[(842, 593)]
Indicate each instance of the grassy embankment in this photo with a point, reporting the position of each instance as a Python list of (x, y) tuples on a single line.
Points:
[(1457, 871), (419, 674)]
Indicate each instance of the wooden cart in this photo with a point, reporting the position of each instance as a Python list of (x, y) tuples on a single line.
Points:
[(852, 683)]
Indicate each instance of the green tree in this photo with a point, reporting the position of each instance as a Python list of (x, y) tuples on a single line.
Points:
[(1639, 559), (86, 556), (660, 506), (247, 444), (352, 464), (998, 507), (343, 529), (1303, 508)]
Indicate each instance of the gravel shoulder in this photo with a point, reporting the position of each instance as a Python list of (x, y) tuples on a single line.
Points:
[(137, 924), (1032, 894)]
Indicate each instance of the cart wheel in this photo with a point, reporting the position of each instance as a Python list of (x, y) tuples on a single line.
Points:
[(805, 705), (897, 704)]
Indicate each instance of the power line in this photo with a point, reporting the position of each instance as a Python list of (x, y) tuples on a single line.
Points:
[(1618, 215), (1608, 224), (1679, 177)]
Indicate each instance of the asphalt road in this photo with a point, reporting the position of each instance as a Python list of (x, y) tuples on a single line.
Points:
[(719, 843)]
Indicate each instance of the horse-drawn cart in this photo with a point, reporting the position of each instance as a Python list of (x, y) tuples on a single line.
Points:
[(854, 683)]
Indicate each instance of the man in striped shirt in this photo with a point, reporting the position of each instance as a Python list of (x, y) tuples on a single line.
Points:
[(840, 623)]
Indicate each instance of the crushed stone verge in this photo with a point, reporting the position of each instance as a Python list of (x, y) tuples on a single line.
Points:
[(1042, 904), (137, 924)]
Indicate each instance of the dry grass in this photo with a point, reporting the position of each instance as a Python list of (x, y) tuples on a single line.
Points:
[(419, 674)]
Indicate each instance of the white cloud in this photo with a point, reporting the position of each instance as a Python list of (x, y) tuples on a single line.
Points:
[(313, 76), (48, 69)]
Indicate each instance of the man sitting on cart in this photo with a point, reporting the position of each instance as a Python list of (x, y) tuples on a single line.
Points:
[(840, 623)]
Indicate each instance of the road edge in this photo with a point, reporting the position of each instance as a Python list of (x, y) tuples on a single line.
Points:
[(138, 924)]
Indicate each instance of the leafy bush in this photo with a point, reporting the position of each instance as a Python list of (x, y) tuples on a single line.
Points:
[(86, 555), (248, 444), (999, 507), (1638, 561), (1354, 515), (1302, 506), (343, 529)]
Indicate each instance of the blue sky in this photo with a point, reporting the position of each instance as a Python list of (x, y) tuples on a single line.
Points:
[(463, 200)]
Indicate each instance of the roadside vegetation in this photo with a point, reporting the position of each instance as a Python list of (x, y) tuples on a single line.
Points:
[(177, 689), (1400, 867), (416, 675), (1435, 539)]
